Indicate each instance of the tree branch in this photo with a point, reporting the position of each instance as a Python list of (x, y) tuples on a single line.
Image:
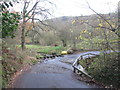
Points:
[(43, 23), (32, 8), (100, 16), (97, 26), (31, 31)]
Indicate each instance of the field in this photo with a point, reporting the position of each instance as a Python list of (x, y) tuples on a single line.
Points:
[(46, 49)]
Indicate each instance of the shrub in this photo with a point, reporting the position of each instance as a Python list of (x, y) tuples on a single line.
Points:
[(104, 69)]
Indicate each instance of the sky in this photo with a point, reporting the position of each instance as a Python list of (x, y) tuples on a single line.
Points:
[(80, 7)]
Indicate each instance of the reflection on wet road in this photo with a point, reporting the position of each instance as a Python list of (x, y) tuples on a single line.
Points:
[(53, 73)]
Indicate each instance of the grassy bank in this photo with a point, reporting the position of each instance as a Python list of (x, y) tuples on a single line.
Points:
[(0, 75), (13, 59), (46, 49), (104, 69)]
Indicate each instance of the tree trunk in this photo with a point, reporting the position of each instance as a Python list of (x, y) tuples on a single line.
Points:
[(119, 26), (74, 45), (23, 30), (64, 43), (23, 37)]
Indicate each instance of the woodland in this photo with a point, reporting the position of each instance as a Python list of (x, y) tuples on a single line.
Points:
[(23, 35)]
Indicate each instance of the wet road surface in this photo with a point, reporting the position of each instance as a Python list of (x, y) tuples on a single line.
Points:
[(53, 73)]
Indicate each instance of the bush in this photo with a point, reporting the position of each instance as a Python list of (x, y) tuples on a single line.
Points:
[(10, 64), (13, 60), (104, 69)]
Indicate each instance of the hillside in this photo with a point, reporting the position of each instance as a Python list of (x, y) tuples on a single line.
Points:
[(68, 30)]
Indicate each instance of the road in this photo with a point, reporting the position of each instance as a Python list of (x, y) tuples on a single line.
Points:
[(53, 73)]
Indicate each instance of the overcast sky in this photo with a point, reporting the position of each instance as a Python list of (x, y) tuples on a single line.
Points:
[(80, 7)]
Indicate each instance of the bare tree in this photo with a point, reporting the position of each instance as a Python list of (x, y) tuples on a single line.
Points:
[(33, 11)]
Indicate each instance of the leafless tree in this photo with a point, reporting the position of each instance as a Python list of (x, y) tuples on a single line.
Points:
[(33, 11)]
